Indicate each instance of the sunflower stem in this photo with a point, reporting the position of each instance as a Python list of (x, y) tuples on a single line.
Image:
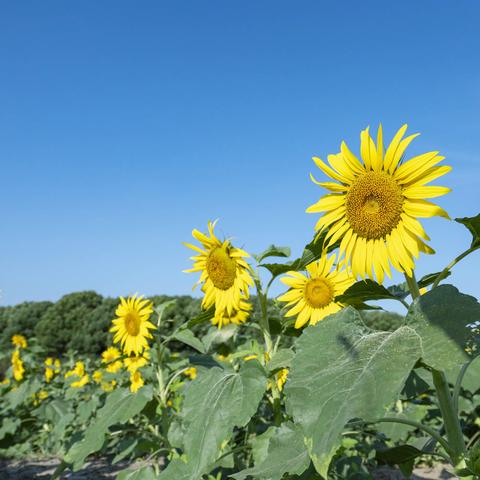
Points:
[(444, 273), (412, 285), (450, 418)]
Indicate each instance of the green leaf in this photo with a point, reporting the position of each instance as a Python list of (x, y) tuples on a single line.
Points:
[(286, 454), (399, 431), (473, 225), (188, 338), (9, 426), (356, 376), (215, 402), (160, 310), (398, 455), (429, 279), (23, 393), (203, 317), (281, 359), (217, 336), (273, 251), (363, 291), (120, 406), (471, 380), (143, 473), (440, 317), (125, 448)]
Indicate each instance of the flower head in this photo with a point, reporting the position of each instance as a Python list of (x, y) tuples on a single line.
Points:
[(136, 381), (374, 204), (134, 362), (311, 296), (19, 341), (191, 373), (131, 327), (17, 366), (110, 356)]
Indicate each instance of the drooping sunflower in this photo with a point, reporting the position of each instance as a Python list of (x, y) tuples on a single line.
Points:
[(374, 204), (236, 316), (225, 276), (131, 328), (311, 296), (110, 357), (136, 381)]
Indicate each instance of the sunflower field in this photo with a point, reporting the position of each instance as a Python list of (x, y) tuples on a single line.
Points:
[(316, 383)]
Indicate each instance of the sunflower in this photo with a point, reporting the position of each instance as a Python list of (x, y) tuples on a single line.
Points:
[(281, 378), (110, 356), (19, 341), (84, 379), (97, 376), (136, 381), (131, 328), (312, 295), (374, 206), (78, 370), (52, 367), (236, 316), (17, 366), (225, 276), (134, 362), (109, 386), (191, 373)]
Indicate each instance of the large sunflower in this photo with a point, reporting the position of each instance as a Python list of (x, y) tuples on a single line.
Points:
[(225, 274), (312, 295), (374, 206), (131, 328)]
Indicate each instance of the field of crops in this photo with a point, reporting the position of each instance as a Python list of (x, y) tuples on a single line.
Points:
[(315, 383)]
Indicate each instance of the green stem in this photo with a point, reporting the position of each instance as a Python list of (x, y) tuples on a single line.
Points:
[(458, 385), (264, 325), (412, 285), (450, 417), (432, 432), (444, 273)]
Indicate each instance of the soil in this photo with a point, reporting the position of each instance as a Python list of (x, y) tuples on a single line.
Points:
[(101, 469)]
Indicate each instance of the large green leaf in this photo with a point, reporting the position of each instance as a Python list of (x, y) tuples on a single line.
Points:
[(363, 291), (187, 337), (473, 225), (286, 454), (273, 251), (215, 403), (441, 317), (121, 406), (343, 370)]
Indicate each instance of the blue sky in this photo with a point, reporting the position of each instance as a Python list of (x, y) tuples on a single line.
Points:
[(123, 125)]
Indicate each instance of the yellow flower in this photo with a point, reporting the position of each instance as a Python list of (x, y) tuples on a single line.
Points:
[(78, 370), (51, 368), (191, 373), (19, 341), (237, 316), (373, 209), (57, 365), (225, 275), (109, 356), (42, 394), (131, 328), (5, 381), (17, 366), (108, 386), (136, 381), (82, 382), (49, 374), (97, 376), (281, 378), (312, 295), (250, 357), (134, 362)]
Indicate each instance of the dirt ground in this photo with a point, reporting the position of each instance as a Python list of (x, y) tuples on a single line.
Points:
[(100, 469)]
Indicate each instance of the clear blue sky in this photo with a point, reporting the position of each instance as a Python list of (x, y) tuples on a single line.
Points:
[(123, 125)]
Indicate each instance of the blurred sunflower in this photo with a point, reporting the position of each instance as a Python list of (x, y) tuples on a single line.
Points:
[(19, 341), (374, 204), (225, 275), (312, 295), (134, 362), (281, 378), (136, 381), (17, 366), (236, 316), (191, 373), (110, 356), (81, 382), (78, 370), (131, 328)]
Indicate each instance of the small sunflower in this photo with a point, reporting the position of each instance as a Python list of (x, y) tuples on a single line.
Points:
[(191, 373), (82, 382), (109, 386), (78, 370), (19, 341), (225, 276), (110, 356), (134, 362), (236, 316), (312, 295), (375, 205), (97, 376), (281, 378), (17, 366), (136, 381), (131, 328)]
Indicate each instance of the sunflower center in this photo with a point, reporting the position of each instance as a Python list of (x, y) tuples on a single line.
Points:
[(221, 268), (374, 205), (318, 292), (132, 323)]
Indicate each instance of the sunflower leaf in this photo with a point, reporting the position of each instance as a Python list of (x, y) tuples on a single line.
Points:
[(205, 316), (188, 338), (473, 225), (441, 318), (273, 251), (286, 454), (363, 291), (215, 403), (357, 376)]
